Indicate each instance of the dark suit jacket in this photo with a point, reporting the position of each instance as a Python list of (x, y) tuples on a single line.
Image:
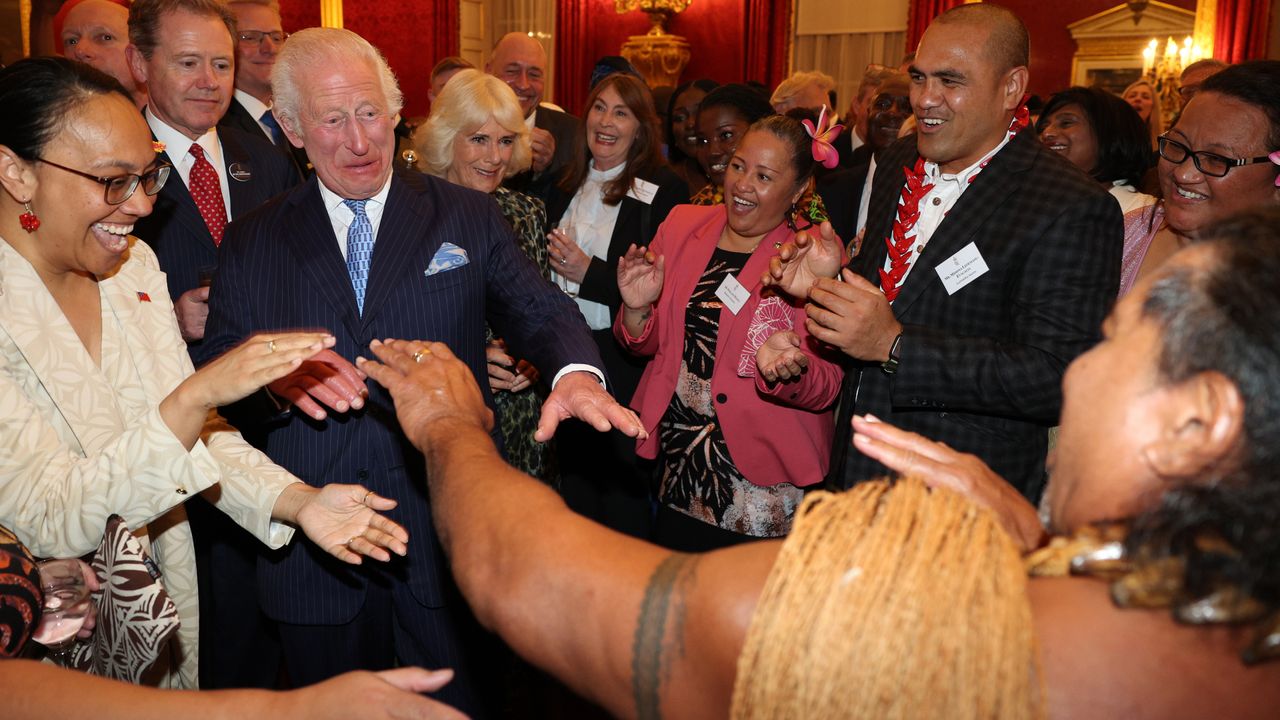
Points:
[(567, 130), (841, 193), (281, 268), (239, 118), (177, 233), (981, 370), (637, 223)]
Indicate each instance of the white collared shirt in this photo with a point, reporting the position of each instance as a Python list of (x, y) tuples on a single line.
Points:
[(589, 223), (945, 190), (341, 216), (178, 147), (257, 109)]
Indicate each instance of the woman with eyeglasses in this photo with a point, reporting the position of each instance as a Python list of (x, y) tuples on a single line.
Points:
[(1213, 163), (100, 410)]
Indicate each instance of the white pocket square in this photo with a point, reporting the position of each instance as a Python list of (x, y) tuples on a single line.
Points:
[(448, 257)]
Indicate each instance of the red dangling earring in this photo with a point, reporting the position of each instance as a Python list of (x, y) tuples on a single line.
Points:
[(28, 219)]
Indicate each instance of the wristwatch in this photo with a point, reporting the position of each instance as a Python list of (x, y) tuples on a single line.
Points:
[(890, 366)]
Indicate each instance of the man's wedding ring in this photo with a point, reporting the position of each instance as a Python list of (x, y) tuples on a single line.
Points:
[(364, 500), (271, 346), (417, 357)]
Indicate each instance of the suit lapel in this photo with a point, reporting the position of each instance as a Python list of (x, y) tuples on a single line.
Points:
[(50, 346), (185, 211), (310, 235), (402, 234), (234, 157), (990, 190)]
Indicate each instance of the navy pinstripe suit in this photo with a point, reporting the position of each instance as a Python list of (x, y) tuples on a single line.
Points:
[(281, 268), (981, 370)]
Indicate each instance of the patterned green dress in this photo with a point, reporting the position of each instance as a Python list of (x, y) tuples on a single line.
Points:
[(518, 412)]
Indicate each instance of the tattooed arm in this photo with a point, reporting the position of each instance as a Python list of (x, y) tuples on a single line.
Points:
[(642, 631)]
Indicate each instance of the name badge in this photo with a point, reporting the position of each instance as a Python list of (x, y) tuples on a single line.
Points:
[(733, 294), (962, 268), (643, 190), (239, 172)]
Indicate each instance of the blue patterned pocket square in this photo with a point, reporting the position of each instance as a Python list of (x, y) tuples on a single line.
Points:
[(448, 257)]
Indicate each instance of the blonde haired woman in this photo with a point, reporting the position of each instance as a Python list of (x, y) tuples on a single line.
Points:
[(476, 137), (1144, 99)]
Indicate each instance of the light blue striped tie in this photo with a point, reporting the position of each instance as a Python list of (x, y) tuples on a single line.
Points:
[(359, 249)]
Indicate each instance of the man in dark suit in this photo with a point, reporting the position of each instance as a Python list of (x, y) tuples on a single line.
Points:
[(846, 192), (260, 36), (223, 174), (372, 252), (521, 62), (1005, 261)]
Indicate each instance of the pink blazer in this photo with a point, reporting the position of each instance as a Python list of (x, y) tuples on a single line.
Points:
[(775, 434)]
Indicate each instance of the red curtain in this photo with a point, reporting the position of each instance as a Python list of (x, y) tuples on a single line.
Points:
[(922, 12), (767, 50), (1243, 27), (573, 59)]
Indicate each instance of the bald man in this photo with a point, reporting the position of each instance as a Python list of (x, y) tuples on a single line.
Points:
[(96, 32), (521, 62)]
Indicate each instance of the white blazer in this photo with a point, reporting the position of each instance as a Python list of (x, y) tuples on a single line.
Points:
[(79, 443)]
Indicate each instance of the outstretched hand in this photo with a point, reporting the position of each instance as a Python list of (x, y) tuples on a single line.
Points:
[(939, 466), (429, 385), (345, 521), (253, 364), (804, 260), (386, 695), (580, 395), (327, 380)]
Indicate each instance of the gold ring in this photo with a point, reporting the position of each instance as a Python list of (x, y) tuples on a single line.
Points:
[(417, 357), (351, 540), (271, 346), (365, 499)]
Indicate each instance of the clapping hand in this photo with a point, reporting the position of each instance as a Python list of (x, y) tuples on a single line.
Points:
[(780, 357), (567, 259), (640, 277), (853, 316), (804, 260)]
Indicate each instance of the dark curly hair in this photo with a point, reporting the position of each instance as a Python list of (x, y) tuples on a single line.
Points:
[(674, 153), (1225, 319), (1124, 145), (1257, 83)]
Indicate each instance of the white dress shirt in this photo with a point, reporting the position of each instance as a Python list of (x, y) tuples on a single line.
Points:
[(590, 222), (945, 190), (257, 109), (341, 216), (178, 147)]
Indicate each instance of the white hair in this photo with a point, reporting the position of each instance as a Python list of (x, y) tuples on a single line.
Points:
[(320, 47)]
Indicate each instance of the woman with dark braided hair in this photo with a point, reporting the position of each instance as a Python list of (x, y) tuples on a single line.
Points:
[(1153, 591)]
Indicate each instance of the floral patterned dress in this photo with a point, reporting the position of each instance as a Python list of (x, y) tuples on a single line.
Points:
[(699, 478), (518, 412)]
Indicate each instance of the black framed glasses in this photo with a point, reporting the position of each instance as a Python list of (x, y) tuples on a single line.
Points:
[(119, 188), (254, 37), (1211, 164)]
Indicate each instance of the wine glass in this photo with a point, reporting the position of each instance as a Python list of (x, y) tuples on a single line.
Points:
[(66, 605)]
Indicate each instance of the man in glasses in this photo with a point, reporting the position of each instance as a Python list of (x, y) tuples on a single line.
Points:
[(260, 36), (185, 52)]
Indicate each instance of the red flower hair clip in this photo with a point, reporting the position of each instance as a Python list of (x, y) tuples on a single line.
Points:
[(823, 135)]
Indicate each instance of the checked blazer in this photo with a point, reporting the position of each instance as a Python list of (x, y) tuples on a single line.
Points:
[(281, 267), (981, 369)]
